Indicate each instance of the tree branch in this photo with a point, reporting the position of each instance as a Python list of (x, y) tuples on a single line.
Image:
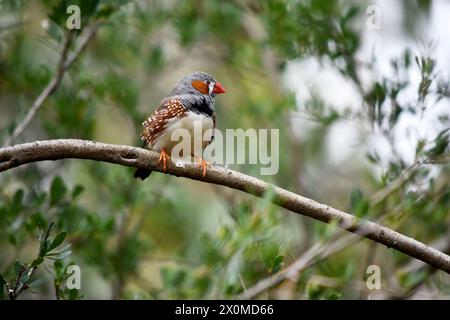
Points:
[(14, 156), (65, 62), (336, 243)]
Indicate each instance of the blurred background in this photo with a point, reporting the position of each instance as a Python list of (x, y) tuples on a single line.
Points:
[(358, 89)]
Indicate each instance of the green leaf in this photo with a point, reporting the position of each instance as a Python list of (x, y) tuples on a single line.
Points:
[(333, 295), (77, 191), (373, 157), (17, 201), (58, 267), (57, 190), (356, 197), (59, 255), (269, 251), (24, 278), (441, 143), (44, 248), (359, 206), (57, 241), (55, 32), (18, 267), (409, 280), (37, 261), (420, 147), (104, 10), (35, 283), (277, 264), (173, 278), (64, 249)]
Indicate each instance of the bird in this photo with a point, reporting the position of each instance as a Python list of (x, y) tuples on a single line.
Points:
[(191, 101)]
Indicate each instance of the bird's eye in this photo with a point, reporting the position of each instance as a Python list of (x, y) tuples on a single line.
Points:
[(208, 82)]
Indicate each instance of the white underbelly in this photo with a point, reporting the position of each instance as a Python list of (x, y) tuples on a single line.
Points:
[(196, 126)]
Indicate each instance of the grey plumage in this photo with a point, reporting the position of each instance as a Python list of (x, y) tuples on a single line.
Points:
[(184, 86)]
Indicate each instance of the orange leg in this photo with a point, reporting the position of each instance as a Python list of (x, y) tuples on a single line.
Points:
[(163, 157), (203, 163)]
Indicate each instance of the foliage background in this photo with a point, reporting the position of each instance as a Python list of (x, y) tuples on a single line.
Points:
[(352, 120)]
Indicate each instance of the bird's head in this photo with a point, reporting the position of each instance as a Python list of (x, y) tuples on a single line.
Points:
[(198, 83)]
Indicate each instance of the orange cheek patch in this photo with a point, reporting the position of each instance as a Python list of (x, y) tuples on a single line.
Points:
[(200, 86)]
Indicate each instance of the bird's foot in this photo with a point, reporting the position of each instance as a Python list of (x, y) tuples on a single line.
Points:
[(163, 157), (203, 163)]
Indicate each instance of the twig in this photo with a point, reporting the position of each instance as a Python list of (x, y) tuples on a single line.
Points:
[(381, 195), (65, 62), (19, 286), (88, 34), (11, 157), (316, 253)]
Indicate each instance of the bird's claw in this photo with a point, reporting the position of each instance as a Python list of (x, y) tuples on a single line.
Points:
[(163, 157), (203, 163)]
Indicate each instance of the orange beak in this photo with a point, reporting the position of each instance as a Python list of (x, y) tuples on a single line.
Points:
[(218, 88)]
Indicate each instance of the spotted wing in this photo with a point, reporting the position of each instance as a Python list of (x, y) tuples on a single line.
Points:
[(156, 124)]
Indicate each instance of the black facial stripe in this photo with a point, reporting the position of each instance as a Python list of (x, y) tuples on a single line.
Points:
[(202, 106), (198, 103)]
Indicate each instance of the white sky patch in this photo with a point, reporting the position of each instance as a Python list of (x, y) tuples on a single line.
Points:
[(439, 31), (307, 76), (389, 43), (341, 141)]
